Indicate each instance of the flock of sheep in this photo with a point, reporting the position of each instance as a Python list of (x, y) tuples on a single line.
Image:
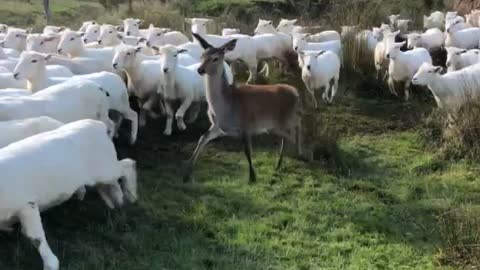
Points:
[(60, 88)]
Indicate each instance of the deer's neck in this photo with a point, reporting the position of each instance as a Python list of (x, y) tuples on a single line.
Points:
[(218, 94)]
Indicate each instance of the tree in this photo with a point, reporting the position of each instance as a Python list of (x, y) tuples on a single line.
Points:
[(46, 7)]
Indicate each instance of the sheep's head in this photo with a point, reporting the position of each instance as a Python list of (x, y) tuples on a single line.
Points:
[(199, 25), (70, 42), (38, 42), (15, 39), (91, 33), (264, 27), (286, 26), (299, 42), (451, 15), (3, 28), (155, 35), (29, 65), (168, 57), (394, 50), (125, 57), (414, 40), (307, 59), (377, 33), (453, 26), (132, 26), (108, 35), (393, 19), (453, 55), (425, 74)]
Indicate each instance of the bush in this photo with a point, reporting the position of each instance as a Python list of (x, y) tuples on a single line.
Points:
[(460, 238)]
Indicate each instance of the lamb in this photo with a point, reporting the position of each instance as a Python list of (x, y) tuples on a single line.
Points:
[(14, 41), (42, 43), (132, 28), (32, 67), (435, 20), (230, 31), (432, 39), (143, 77), (16, 130), (300, 44), (244, 111), (66, 102), (461, 58), (91, 33), (72, 45), (452, 17), (324, 36), (461, 38), (452, 89), (321, 69), (159, 37), (44, 178), (404, 65)]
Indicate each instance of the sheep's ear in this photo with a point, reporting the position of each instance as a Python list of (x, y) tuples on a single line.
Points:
[(229, 46), (28, 30), (80, 34), (119, 27), (205, 45), (438, 69), (48, 57), (182, 51), (138, 49), (119, 36), (401, 44)]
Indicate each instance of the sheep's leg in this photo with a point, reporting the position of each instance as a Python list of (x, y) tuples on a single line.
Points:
[(391, 86), (193, 111), (334, 89), (106, 197), (213, 133), (326, 90), (407, 90), (80, 193), (148, 105), (32, 228), (181, 113), (312, 93), (169, 121), (142, 118), (111, 194), (247, 144), (133, 117), (252, 69), (129, 179)]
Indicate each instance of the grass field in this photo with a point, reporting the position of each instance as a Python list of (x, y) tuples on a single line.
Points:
[(380, 201)]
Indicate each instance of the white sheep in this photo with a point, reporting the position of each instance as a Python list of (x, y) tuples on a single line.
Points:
[(14, 41), (324, 36), (72, 45), (452, 89), (461, 38), (85, 24), (300, 44), (452, 17), (66, 102), (91, 33), (44, 177), (432, 39), (32, 67), (132, 27), (320, 69), (110, 37), (404, 65), (12, 92), (399, 24), (460, 58), (182, 83), (159, 37), (16, 130), (77, 65), (435, 20), (51, 29)]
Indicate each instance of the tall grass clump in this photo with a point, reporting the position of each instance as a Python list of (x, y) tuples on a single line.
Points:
[(459, 231), (456, 136)]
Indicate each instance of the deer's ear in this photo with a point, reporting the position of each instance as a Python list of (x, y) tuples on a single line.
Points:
[(205, 45), (229, 46)]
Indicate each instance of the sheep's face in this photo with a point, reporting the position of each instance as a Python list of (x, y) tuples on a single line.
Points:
[(451, 15), (453, 54), (132, 26), (286, 26), (70, 42), (264, 27), (15, 39), (29, 65), (299, 42), (39, 42), (108, 35), (425, 74), (199, 25), (155, 36), (306, 60), (91, 34), (393, 19), (453, 26), (125, 58), (394, 50), (129, 184), (414, 40)]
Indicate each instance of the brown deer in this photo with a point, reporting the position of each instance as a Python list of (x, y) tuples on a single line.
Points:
[(243, 111)]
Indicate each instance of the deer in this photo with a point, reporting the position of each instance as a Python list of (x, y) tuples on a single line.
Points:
[(246, 110)]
